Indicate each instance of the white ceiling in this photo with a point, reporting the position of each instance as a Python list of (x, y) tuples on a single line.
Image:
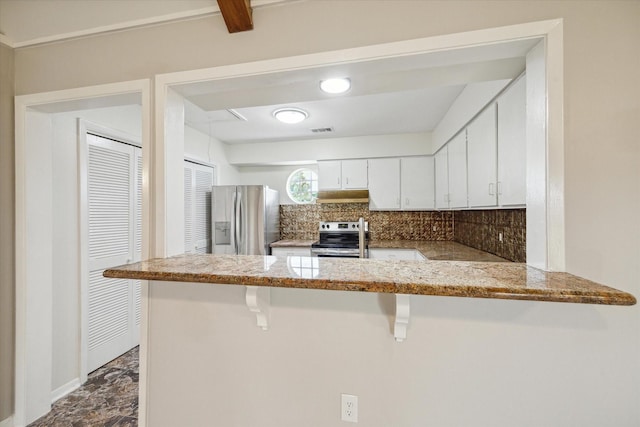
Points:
[(408, 94)]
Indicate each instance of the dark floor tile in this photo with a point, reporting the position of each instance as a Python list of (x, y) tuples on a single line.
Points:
[(108, 398)]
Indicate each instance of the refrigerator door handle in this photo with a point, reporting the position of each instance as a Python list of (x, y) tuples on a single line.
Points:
[(240, 227), (234, 226)]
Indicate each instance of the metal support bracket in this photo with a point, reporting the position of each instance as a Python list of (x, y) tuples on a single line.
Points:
[(258, 299), (403, 311)]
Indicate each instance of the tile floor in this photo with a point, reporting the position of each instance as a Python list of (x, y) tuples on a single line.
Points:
[(109, 398)]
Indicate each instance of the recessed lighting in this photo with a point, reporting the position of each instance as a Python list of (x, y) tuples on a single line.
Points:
[(290, 115), (334, 86)]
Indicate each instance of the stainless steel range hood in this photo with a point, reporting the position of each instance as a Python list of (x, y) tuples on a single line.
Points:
[(343, 196)]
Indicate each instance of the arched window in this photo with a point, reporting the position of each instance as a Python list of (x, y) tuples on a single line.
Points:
[(302, 186)]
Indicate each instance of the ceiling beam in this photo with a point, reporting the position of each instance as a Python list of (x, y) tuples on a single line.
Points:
[(236, 14)]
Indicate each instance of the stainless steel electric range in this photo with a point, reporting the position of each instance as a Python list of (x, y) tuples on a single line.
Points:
[(342, 240)]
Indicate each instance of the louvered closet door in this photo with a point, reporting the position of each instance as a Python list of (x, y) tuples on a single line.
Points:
[(189, 244), (114, 239), (137, 254), (198, 180)]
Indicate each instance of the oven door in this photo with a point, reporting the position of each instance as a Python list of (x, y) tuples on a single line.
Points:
[(337, 252)]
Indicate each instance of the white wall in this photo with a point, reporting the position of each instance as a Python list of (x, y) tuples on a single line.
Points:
[(465, 362), (308, 151), (472, 98), (273, 176), (199, 146), (562, 364), (35, 299), (7, 230), (66, 288)]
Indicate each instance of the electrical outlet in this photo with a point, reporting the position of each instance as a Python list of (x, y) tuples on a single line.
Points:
[(349, 408)]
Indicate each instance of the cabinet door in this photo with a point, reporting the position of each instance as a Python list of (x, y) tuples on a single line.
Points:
[(384, 184), (441, 165), (417, 188), (482, 158), (354, 174), (290, 251), (396, 254), (457, 157), (512, 160), (329, 175)]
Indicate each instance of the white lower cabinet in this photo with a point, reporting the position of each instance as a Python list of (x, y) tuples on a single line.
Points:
[(396, 254), (291, 251)]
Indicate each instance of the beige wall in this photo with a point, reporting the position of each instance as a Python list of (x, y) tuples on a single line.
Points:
[(6, 232), (602, 149)]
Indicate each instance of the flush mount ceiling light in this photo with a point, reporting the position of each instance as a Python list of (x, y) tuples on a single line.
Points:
[(290, 115), (334, 86)]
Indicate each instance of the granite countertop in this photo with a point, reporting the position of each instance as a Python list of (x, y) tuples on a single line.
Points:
[(443, 278), (439, 250), (433, 250)]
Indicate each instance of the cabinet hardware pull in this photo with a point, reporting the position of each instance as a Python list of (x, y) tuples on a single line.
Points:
[(499, 188), (491, 192)]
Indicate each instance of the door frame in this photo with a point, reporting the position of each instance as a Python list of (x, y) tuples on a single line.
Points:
[(33, 351), (545, 142)]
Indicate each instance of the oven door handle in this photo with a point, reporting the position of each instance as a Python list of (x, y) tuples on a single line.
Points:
[(335, 252)]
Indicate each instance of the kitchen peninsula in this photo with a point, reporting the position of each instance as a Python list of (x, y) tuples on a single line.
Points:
[(203, 358), (440, 278)]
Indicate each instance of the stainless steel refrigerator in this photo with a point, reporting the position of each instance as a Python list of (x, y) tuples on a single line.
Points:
[(245, 218)]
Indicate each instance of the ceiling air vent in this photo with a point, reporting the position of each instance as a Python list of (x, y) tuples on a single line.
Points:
[(322, 130)]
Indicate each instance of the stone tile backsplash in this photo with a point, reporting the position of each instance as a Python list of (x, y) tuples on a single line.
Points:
[(478, 229), (301, 221), (481, 230)]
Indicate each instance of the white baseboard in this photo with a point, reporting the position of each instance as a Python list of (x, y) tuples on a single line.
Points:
[(63, 390), (7, 422)]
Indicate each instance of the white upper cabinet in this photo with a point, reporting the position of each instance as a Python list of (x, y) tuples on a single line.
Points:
[(384, 184), (342, 174), (405, 183), (457, 167), (512, 181), (330, 175), (417, 183), (354, 174), (482, 158), (442, 178)]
